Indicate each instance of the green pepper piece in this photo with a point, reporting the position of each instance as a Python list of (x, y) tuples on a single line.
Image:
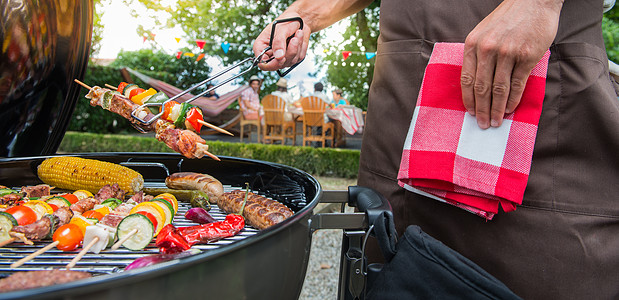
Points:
[(200, 199), (180, 121)]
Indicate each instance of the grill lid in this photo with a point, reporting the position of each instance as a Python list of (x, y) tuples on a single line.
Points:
[(46, 44)]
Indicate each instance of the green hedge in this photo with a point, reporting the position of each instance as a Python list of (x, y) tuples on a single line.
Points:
[(316, 161)]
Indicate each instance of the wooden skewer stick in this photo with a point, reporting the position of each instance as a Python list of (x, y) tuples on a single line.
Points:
[(82, 253), (124, 239), (21, 237), (82, 84), (212, 155), (33, 255), (109, 86), (209, 125), (7, 241)]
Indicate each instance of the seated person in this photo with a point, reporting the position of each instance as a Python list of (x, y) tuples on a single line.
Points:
[(282, 92), (250, 100), (318, 92), (338, 99), (211, 95)]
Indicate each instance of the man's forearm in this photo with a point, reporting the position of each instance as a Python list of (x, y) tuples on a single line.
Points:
[(319, 14)]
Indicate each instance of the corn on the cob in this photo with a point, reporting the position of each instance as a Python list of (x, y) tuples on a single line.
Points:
[(75, 173)]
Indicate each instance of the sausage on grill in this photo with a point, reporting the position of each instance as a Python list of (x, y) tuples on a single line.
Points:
[(259, 212), (196, 181)]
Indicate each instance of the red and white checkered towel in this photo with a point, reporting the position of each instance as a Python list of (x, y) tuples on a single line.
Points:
[(449, 158)]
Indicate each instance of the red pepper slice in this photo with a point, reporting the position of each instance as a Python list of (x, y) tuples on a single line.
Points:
[(167, 108), (169, 240), (135, 92), (215, 231), (121, 86), (193, 115)]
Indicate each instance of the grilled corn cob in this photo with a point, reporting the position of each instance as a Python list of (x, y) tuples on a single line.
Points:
[(74, 173)]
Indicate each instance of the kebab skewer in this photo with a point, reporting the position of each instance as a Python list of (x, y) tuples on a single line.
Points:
[(183, 141), (152, 96)]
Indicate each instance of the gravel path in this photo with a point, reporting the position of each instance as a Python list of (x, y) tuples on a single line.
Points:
[(321, 280)]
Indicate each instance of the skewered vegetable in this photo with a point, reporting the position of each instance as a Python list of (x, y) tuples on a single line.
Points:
[(155, 210), (102, 233), (140, 239), (23, 214), (68, 236), (76, 173)]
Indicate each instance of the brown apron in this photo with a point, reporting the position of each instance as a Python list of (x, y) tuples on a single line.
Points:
[(563, 242)]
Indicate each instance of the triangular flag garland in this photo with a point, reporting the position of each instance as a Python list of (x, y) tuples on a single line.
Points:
[(225, 46), (200, 43)]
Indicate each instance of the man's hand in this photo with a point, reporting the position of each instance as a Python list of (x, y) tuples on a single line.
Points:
[(285, 55), (500, 53)]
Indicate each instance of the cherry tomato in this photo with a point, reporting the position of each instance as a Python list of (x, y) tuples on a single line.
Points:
[(121, 87), (70, 197), (68, 236), (23, 214), (93, 214), (135, 92), (150, 216)]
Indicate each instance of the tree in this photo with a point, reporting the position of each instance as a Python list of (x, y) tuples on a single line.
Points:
[(354, 74), (239, 22), (610, 26)]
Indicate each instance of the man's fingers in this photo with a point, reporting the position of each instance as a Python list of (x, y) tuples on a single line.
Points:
[(518, 82), (467, 80), (500, 89), (482, 88)]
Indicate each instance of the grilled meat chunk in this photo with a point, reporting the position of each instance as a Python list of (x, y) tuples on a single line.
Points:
[(34, 279), (36, 190), (109, 191), (35, 231)]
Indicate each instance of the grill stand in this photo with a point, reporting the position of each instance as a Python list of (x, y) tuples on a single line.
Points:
[(355, 274)]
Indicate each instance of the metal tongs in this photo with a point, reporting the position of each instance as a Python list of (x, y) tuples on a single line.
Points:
[(255, 61)]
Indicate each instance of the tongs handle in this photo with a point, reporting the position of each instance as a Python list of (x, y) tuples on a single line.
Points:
[(298, 19), (254, 60)]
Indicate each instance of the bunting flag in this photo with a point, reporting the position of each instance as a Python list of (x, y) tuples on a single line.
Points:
[(200, 43), (346, 54), (369, 55), (178, 40), (225, 46), (189, 54), (178, 54), (144, 39), (201, 56)]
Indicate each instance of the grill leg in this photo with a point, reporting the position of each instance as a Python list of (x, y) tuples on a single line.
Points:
[(352, 267)]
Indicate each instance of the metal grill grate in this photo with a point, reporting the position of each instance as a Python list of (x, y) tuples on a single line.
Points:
[(107, 261)]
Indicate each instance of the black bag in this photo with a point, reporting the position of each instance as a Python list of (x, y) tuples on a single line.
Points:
[(421, 267)]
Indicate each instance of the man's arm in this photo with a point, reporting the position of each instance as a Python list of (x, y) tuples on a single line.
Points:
[(316, 15)]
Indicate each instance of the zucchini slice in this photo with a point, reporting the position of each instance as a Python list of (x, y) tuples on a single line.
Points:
[(144, 235)]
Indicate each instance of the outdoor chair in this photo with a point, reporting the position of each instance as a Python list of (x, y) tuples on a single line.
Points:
[(275, 125), (244, 122), (315, 129)]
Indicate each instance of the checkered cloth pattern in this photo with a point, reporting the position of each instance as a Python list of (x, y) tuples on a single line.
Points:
[(447, 157)]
